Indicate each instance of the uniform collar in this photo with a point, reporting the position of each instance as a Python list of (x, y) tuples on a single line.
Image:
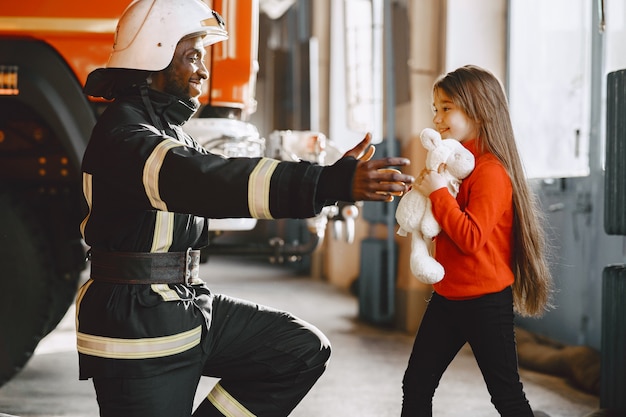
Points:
[(171, 108), (111, 83)]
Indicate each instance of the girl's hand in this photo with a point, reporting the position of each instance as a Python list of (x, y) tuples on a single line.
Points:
[(430, 180)]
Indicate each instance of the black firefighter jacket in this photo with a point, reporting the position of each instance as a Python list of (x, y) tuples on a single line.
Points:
[(149, 187)]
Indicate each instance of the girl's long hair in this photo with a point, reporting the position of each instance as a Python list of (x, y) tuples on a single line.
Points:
[(479, 93)]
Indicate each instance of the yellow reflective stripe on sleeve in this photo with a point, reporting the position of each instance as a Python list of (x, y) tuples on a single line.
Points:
[(151, 172), (259, 189), (163, 232), (87, 192), (166, 293), (226, 404), (155, 347)]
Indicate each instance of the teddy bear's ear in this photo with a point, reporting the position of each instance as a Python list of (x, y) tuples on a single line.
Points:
[(430, 138)]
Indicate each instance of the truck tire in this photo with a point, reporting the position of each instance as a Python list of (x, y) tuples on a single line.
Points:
[(33, 297)]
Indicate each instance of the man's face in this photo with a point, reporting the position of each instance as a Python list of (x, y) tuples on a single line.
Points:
[(183, 77)]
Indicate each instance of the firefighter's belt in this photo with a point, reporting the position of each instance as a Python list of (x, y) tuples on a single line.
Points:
[(146, 268)]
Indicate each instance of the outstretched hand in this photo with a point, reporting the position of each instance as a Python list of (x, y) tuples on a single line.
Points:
[(373, 180)]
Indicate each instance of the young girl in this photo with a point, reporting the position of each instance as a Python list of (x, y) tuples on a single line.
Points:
[(491, 246)]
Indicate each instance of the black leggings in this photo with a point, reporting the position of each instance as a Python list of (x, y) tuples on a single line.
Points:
[(267, 361), (486, 323)]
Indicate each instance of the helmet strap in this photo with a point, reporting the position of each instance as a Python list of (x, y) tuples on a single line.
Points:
[(143, 89)]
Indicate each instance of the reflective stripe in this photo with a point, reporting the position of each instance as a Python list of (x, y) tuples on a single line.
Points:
[(151, 172), (166, 293), (155, 347), (226, 404), (259, 188), (88, 193), (163, 232)]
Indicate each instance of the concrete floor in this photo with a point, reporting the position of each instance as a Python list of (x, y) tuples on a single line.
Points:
[(363, 378)]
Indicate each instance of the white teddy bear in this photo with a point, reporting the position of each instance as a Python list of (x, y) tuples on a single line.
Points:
[(414, 212)]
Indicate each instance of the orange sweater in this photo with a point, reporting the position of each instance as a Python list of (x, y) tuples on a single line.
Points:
[(475, 243)]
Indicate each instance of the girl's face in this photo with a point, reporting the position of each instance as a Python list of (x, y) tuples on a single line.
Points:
[(450, 120)]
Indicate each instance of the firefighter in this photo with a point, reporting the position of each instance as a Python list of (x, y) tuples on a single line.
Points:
[(147, 326)]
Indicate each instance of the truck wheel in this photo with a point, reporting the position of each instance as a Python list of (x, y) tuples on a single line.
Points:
[(33, 298)]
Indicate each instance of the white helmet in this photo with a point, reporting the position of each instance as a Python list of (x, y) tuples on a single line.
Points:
[(149, 30)]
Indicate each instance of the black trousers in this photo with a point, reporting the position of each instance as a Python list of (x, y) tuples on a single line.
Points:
[(486, 323), (267, 360)]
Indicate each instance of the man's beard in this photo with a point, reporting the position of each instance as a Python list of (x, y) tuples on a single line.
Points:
[(176, 87)]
